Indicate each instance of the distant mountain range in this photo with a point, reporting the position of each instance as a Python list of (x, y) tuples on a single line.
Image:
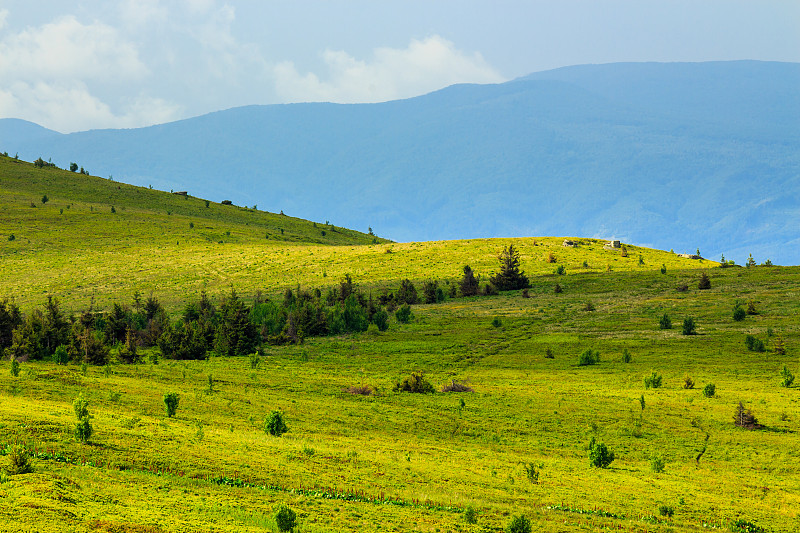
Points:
[(669, 155)]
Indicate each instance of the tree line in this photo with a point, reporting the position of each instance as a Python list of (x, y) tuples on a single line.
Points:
[(229, 328)]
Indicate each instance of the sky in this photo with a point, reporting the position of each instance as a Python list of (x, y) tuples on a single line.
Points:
[(87, 64)]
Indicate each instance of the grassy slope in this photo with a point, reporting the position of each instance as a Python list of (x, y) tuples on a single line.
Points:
[(75, 247), (148, 473)]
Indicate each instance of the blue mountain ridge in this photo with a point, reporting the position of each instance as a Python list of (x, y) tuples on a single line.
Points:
[(671, 155)]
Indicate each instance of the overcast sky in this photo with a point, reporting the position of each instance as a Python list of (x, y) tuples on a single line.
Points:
[(87, 64)]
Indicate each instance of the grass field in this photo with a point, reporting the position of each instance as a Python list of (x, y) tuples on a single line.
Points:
[(397, 461)]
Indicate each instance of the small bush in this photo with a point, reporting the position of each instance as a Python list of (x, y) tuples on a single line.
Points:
[(558, 289), (657, 464), (688, 382), (525, 293), (61, 355), (588, 306), (738, 313), (704, 283), (19, 462), (551, 258), (653, 380), (743, 418), (519, 524), (682, 288), (81, 407), (403, 315), (787, 378), (663, 268), (664, 322), (710, 390), (457, 386), (626, 356), (226, 202), (589, 357), (11, 237), (381, 319), (532, 472), (285, 518), (496, 322), (599, 455), (470, 515), (361, 390), (754, 344), (548, 353), (560, 270), (666, 510), (689, 327), (83, 430), (171, 403), (490, 290), (751, 308), (275, 424), (14, 368), (416, 382)]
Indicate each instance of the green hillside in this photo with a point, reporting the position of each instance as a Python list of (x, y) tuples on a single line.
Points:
[(75, 247), (517, 443)]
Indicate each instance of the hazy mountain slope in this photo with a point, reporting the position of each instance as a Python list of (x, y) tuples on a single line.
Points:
[(667, 155)]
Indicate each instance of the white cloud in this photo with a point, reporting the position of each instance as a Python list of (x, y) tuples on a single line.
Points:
[(71, 107), (423, 66), (141, 13), (68, 49), (3, 17)]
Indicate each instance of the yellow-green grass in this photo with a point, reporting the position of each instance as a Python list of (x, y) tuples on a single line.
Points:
[(427, 449), (75, 248)]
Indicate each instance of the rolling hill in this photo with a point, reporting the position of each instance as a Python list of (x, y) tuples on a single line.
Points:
[(673, 156)]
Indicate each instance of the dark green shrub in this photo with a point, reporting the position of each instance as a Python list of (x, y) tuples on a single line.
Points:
[(779, 346), (407, 292), (496, 322), (704, 283), (688, 382), (19, 462), (560, 270), (490, 290), (689, 327), (754, 344), (228, 202), (285, 518), (14, 368), (171, 403), (751, 308), (664, 322), (599, 455), (787, 377), (470, 515), (83, 430), (666, 510), (416, 382), (709, 390), (589, 357), (457, 386), (403, 314), (588, 306), (663, 268), (653, 380), (45, 199), (738, 313), (381, 319), (429, 289), (61, 356), (519, 524), (657, 464), (275, 424), (11, 237), (469, 283), (626, 356), (548, 353)]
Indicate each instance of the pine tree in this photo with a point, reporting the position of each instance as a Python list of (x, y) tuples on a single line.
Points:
[(510, 276)]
